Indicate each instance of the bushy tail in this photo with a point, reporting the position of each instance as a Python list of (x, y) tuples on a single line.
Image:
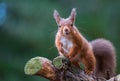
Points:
[(105, 58)]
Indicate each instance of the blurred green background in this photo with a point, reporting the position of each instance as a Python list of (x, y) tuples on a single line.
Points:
[(27, 30)]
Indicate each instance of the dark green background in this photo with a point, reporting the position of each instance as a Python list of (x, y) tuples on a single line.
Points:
[(29, 30)]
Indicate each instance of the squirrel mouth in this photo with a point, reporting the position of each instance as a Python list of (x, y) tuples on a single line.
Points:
[(67, 33)]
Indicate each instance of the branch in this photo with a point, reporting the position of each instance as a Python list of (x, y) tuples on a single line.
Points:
[(40, 66), (59, 70)]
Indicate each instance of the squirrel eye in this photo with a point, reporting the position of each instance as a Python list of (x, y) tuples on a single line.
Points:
[(59, 26), (71, 25)]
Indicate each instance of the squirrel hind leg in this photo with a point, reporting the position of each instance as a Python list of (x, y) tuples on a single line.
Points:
[(105, 56)]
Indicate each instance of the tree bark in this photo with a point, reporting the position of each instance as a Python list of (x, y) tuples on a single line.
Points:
[(60, 69)]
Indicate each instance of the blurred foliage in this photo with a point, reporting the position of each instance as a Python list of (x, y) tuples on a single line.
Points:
[(28, 30)]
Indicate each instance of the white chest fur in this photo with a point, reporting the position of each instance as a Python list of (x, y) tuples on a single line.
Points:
[(67, 44)]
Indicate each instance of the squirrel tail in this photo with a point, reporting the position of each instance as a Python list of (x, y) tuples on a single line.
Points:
[(105, 58)]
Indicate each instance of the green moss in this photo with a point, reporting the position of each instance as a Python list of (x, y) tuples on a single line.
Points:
[(57, 62), (33, 66)]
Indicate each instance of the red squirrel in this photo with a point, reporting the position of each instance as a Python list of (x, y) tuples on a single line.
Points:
[(71, 44)]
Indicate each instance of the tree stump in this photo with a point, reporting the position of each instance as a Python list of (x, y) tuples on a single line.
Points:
[(60, 69)]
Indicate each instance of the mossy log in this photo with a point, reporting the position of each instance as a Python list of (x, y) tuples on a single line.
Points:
[(60, 69)]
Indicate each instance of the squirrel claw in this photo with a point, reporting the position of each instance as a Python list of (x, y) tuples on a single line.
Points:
[(88, 72)]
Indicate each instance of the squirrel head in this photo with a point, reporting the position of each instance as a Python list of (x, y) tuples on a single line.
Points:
[(65, 25)]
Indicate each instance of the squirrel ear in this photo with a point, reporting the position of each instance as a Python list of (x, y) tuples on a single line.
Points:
[(73, 15), (57, 16)]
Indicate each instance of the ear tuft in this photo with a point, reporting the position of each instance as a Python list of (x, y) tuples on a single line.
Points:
[(56, 16), (55, 13), (73, 11), (73, 15)]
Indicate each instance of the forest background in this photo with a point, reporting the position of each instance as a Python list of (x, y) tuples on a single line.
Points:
[(27, 30)]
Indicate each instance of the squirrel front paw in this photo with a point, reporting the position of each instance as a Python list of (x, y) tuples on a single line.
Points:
[(62, 51)]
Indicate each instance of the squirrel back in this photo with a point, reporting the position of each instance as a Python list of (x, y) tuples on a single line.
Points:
[(105, 58)]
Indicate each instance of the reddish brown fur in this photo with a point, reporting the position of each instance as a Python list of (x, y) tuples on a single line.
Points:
[(81, 49)]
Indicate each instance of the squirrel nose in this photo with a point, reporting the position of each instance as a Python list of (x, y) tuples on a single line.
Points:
[(66, 30)]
